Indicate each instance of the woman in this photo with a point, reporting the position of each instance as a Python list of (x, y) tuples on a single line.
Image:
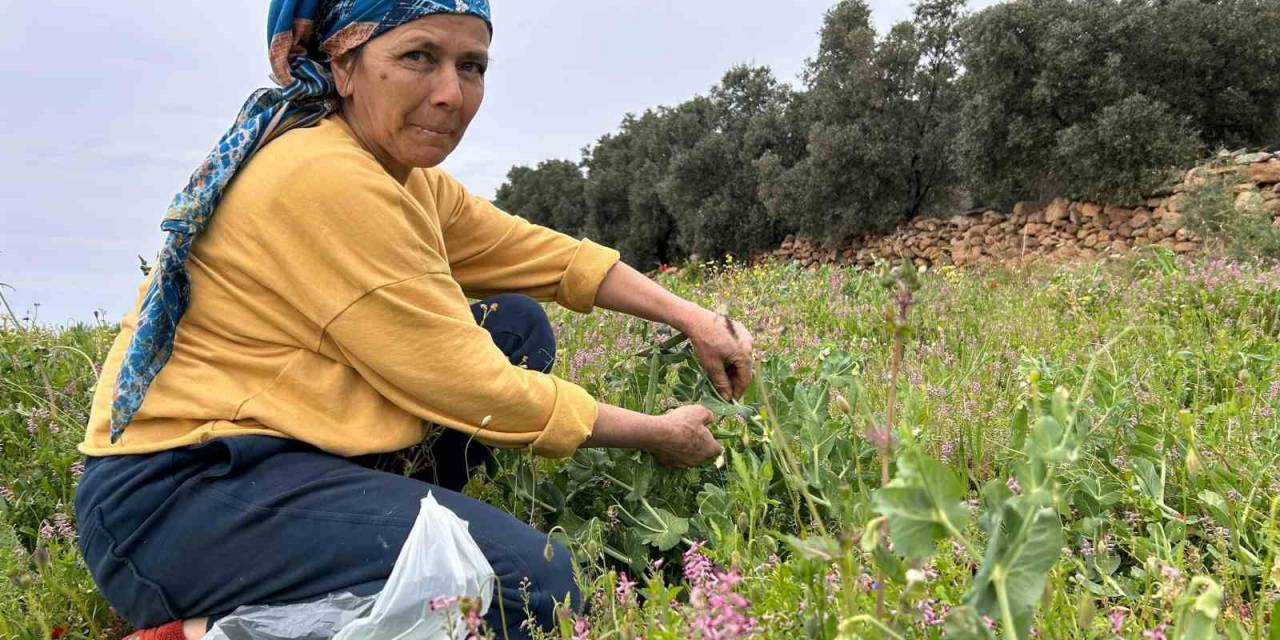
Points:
[(325, 323)]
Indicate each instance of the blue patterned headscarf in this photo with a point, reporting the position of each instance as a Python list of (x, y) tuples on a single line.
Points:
[(305, 35)]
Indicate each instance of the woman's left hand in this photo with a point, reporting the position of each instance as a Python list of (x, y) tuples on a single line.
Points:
[(723, 346)]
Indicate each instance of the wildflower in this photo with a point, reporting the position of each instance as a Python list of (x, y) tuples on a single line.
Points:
[(470, 608), (580, 629), (1169, 572), (1117, 617), (625, 586), (62, 526), (929, 615), (1014, 486), (442, 602), (697, 567), (948, 450), (1156, 633)]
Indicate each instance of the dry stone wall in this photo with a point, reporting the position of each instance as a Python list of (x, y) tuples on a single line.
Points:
[(1056, 230)]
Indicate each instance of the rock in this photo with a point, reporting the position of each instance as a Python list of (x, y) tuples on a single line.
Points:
[(1057, 210), (1185, 247), (788, 242), (1091, 240), (1141, 242), (1251, 158), (1272, 207), (1248, 200), (1125, 230), (1115, 214), (1141, 218), (1090, 210), (1034, 229), (961, 222), (1265, 172), (1169, 218), (991, 216), (1156, 234), (1027, 209)]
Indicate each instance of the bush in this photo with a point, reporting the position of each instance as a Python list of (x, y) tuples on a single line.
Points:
[(1093, 98), (1233, 224), (1124, 152), (711, 188), (550, 195)]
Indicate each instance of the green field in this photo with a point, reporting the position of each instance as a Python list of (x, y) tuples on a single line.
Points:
[(1085, 451)]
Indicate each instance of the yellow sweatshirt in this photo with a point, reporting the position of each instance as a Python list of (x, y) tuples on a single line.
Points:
[(329, 305)]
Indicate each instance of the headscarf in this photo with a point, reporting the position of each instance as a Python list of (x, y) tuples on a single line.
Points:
[(304, 37)]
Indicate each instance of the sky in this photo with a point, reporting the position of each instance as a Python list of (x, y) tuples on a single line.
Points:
[(107, 107)]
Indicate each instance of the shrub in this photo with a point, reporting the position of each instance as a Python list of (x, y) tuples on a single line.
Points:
[(1125, 151), (1230, 223)]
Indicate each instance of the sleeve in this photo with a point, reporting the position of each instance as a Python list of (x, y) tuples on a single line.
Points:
[(491, 251), (344, 245), (417, 343)]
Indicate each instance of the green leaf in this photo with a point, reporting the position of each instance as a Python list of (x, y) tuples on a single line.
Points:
[(662, 528), (963, 623), (1198, 619), (923, 503), (1149, 482), (1022, 550), (1018, 430), (722, 409), (814, 547)]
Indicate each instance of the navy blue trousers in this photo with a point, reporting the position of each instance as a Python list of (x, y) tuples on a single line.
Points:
[(199, 531)]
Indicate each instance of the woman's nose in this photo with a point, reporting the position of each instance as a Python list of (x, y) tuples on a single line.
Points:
[(446, 90)]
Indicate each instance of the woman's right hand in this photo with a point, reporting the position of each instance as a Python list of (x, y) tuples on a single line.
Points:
[(682, 439)]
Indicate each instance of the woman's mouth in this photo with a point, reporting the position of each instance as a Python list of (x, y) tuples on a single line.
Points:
[(441, 131)]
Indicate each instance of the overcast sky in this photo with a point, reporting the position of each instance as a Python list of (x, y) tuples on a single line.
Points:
[(108, 106)]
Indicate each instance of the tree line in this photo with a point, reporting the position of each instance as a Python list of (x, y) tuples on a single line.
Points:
[(1089, 99)]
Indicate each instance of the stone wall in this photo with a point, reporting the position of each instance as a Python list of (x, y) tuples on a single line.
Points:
[(1059, 229)]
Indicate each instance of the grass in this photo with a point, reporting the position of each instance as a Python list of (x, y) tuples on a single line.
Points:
[(1169, 510)]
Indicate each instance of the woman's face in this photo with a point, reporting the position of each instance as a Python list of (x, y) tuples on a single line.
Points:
[(410, 93)]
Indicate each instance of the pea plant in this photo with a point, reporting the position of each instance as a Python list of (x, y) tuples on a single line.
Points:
[(827, 470)]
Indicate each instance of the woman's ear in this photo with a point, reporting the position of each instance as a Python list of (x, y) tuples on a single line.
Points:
[(344, 70)]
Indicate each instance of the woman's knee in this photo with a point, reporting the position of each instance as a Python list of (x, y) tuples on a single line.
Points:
[(520, 328)]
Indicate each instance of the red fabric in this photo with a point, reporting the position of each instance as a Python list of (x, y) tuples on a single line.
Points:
[(170, 631)]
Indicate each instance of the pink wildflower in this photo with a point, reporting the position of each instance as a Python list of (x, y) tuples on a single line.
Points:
[(719, 613), (1156, 633), (1117, 617), (623, 591), (442, 602), (580, 629)]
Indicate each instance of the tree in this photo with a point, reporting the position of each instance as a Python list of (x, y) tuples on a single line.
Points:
[(880, 116), (625, 172), (1043, 77), (552, 195), (711, 187)]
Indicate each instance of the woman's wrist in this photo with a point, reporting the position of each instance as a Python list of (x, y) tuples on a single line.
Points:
[(616, 427), (685, 315)]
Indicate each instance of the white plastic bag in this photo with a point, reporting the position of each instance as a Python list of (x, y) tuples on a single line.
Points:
[(439, 559)]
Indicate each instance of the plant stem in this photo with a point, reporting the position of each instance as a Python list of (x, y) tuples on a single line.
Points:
[(904, 301)]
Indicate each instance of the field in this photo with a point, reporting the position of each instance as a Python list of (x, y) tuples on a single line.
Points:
[(1081, 451)]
